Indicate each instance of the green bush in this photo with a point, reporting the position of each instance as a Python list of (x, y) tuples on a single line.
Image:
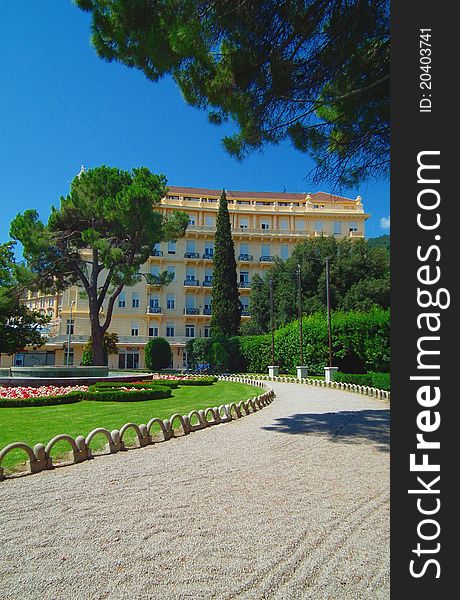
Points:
[(42, 400), (114, 395), (157, 354), (109, 385), (206, 380), (361, 342), (376, 380)]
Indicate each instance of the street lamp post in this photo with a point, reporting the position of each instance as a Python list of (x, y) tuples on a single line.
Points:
[(329, 371), (69, 331)]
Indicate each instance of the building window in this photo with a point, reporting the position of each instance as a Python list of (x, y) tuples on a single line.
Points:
[(284, 224), (154, 301), (337, 227), (155, 271), (122, 300), (170, 302), (207, 331), (190, 274), (171, 272), (70, 327), (171, 247), (19, 360), (134, 329), (169, 330), (318, 226), (191, 220), (265, 224), (244, 223), (209, 249), (300, 224), (153, 331), (135, 300), (190, 331), (265, 250), (244, 249), (284, 251), (128, 359), (209, 221), (244, 276), (191, 246), (353, 226)]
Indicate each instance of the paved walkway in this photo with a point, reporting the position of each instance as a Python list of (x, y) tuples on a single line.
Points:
[(290, 502)]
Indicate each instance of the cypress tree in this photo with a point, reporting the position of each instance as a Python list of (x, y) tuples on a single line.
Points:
[(226, 306)]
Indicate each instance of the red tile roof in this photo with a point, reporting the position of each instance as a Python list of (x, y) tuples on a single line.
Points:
[(322, 197)]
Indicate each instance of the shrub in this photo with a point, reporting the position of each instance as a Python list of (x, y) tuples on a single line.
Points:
[(376, 380), (70, 398), (139, 385), (157, 354), (360, 343), (206, 380), (114, 395)]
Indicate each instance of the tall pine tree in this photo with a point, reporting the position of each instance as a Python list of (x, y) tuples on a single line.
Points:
[(226, 306)]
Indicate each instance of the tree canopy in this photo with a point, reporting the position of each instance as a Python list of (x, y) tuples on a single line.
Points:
[(359, 280), (313, 71), (99, 237), (226, 306), (19, 326)]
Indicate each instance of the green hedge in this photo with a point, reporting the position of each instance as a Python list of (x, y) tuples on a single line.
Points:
[(153, 393), (376, 380), (41, 400), (361, 343), (109, 385), (92, 395), (206, 380)]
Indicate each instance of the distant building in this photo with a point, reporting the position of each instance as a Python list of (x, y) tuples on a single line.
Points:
[(264, 225)]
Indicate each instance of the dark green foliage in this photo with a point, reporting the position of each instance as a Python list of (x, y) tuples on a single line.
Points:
[(205, 380), (383, 241), (359, 280), (19, 326), (361, 342), (226, 306), (94, 239), (107, 385), (157, 354), (114, 395), (198, 351), (42, 401), (315, 72), (380, 381)]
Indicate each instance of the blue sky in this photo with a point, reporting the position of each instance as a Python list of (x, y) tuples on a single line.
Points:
[(61, 107)]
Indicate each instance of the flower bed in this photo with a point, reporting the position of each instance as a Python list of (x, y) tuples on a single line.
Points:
[(20, 393), (53, 395)]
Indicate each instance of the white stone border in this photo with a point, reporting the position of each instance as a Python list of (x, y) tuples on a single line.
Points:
[(40, 456), (336, 385)]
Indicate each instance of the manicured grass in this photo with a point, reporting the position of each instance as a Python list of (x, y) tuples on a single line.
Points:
[(40, 424)]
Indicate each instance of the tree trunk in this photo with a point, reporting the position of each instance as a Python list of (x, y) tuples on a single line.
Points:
[(97, 335)]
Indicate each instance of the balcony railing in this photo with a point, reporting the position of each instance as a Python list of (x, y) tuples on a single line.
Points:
[(188, 310), (207, 283), (267, 259), (191, 282), (207, 311), (191, 255), (245, 257), (157, 253), (245, 313), (208, 255), (154, 280), (244, 284), (154, 310)]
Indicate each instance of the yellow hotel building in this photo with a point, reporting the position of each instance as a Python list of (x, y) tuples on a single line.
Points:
[(264, 225)]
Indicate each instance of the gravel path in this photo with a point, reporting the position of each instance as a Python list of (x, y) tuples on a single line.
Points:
[(290, 502)]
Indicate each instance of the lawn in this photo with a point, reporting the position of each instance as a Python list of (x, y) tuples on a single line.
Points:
[(39, 424)]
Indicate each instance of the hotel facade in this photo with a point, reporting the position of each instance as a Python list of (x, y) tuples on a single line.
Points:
[(264, 225)]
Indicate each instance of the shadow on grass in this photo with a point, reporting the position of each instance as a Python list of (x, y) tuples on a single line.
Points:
[(344, 426)]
